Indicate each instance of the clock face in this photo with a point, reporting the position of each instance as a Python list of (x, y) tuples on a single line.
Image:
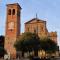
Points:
[(11, 25)]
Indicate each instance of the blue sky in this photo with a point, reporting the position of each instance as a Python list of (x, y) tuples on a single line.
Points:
[(48, 10)]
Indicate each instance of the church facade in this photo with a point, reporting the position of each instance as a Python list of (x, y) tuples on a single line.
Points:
[(13, 26), (38, 26)]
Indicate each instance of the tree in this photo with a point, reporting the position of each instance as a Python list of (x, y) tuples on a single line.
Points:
[(48, 45), (2, 40), (31, 42), (28, 42), (2, 50)]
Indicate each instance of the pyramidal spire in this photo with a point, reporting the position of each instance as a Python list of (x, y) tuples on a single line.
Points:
[(36, 15)]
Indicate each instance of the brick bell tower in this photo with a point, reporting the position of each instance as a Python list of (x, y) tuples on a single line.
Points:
[(12, 28)]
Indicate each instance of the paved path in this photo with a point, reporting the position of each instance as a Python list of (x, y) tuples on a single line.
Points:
[(56, 58)]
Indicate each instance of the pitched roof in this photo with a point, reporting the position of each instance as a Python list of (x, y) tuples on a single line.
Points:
[(37, 20)]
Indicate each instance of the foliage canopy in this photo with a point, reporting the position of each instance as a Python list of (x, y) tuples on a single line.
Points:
[(30, 41)]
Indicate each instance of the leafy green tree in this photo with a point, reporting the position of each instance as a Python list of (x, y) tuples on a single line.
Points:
[(28, 42), (31, 42), (2, 40), (2, 50), (48, 45)]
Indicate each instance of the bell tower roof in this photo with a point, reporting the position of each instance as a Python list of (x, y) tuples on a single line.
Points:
[(16, 4)]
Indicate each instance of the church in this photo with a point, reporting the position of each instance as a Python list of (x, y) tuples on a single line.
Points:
[(13, 27)]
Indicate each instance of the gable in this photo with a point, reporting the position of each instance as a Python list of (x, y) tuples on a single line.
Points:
[(34, 20)]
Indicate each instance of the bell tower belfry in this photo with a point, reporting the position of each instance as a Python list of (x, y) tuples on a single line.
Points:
[(12, 27)]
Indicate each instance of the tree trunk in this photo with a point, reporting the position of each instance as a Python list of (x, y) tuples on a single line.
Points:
[(22, 54), (36, 52)]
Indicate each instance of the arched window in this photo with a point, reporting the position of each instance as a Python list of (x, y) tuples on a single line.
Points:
[(13, 12), (9, 12)]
